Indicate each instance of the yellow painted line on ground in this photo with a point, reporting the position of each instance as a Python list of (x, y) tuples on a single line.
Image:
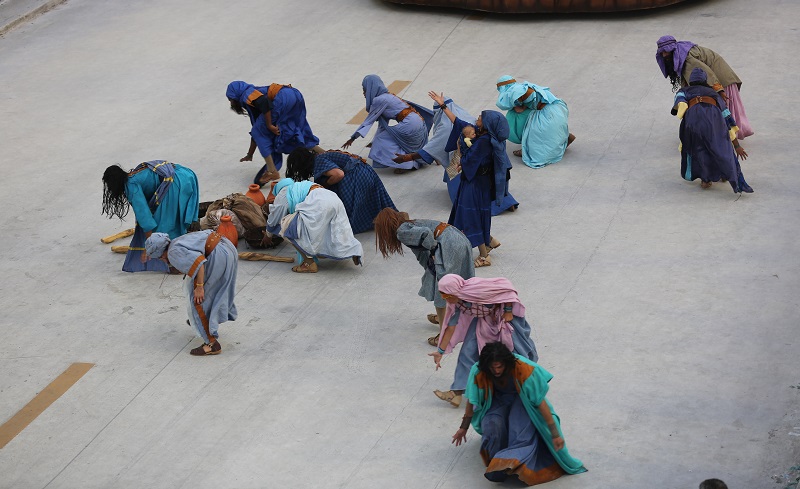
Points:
[(42, 401), (395, 87)]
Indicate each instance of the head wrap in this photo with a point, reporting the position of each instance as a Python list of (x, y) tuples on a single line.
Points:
[(296, 192), (679, 51), (496, 125), (504, 82), (373, 86), (484, 291), (156, 244), (698, 75), (238, 90)]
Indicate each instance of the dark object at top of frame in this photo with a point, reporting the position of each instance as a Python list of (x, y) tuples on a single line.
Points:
[(543, 6)]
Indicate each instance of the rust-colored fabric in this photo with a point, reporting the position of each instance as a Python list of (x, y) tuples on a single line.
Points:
[(195, 265), (253, 95), (211, 242), (508, 82), (526, 95), (403, 113), (528, 476), (273, 90), (702, 100), (314, 187), (440, 229)]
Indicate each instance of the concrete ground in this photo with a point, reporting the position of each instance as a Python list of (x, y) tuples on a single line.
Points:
[(668, 314)]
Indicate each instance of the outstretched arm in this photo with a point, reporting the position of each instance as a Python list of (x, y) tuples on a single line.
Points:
[(558, 440), (444, 340), (250, 152), (461, 434), (439, 99)]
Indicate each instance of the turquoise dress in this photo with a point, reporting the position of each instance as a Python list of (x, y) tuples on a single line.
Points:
[(543, 133)]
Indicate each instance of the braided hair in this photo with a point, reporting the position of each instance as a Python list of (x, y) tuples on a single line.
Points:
[(115, 202)]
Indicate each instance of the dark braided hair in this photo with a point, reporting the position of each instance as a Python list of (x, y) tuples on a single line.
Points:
[(300, 164), (496, 352), (674, 78), (115, 202)]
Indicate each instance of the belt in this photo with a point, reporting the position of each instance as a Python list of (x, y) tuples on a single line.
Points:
[(440, 229), (526, 95), (403, 113), (211, 242), (702, 100), (508, 82), (273, 90)]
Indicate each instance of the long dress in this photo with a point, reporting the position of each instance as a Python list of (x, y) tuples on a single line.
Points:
[(319, 226), (171, 212), (516, 439), (361, 190), (451, 252), (706, 149), (471, 212), (407, 136), (187, 253), (545, 130)]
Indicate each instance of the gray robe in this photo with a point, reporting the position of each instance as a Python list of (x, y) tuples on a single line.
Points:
[(220, 278), (452, 253)]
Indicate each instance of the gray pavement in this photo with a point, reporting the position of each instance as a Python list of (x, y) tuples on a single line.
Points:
[(668, 314)]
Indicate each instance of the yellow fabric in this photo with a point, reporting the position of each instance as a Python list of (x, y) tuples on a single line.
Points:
[(732, 132), (682, 107)]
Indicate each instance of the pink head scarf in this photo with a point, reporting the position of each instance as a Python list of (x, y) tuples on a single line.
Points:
[(484, 291)]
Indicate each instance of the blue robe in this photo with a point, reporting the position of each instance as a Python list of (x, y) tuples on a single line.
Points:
[(172, 212), (187, 253), (361, 190), (706, 149), (407, 136), (471, 212)]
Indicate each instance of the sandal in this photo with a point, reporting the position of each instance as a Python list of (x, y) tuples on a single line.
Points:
[(483, 261), (449, 396), (705, 185), (268, 176), (305, 267), (213, 349), (490, 247), (434, 340), (517, 152), (433, 318)]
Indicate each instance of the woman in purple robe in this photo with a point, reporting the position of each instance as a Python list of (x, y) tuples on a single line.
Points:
[(407, 136), (709, 148)]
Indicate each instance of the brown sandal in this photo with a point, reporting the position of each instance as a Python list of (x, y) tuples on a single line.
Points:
[(268, 177), (434, 340), (517, 152), (433, 318), (201, 351), (483, 261), (490, 247), (305, 267)]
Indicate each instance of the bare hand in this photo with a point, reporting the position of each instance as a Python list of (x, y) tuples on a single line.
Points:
[(199, 294), (348, 143), (437, 97), (508, 316), (246, 158), (741, 153), (143, 257), (401, 158), (518, 109), (558, 443), (437, 359), (274, 130), (460, 437)]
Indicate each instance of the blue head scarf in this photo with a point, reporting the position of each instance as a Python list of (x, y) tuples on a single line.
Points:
[(373, 86), (295, 193), (239, 91), (679, 51), (698, 75), (496, 125)]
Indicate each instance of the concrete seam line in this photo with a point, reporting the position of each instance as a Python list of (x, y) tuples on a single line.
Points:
[(51, 4)]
